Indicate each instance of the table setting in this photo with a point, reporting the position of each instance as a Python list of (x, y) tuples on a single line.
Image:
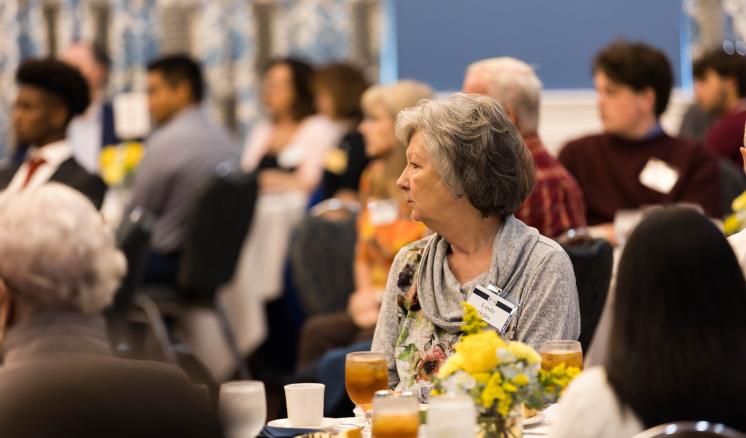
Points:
[(488, 388)]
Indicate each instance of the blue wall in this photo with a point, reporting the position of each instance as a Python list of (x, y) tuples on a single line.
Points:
[(437, 39)]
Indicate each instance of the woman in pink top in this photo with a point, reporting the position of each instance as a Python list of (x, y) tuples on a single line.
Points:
[(289, 149)]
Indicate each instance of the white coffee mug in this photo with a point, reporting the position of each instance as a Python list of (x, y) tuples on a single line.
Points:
[(305, 404)]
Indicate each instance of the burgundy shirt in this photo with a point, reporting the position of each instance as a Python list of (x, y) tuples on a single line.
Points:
[(608, 171), (556, 203), (725, 137)]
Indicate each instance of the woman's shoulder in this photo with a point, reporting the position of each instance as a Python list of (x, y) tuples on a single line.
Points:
[(590, 407)]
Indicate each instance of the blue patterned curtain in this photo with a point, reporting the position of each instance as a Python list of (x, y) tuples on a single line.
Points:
[(226, 47), (134, 38), (24, 35), (75, 23), (317, 30)]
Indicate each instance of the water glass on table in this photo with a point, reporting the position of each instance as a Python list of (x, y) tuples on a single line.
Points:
[(396, 417), (554, 353), (243, 408), (451, 416)]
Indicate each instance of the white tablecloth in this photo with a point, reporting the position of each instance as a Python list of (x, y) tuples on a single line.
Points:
[(258, 278)]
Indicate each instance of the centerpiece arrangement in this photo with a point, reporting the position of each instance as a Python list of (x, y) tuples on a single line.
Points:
[(501, 377), (118, 163)]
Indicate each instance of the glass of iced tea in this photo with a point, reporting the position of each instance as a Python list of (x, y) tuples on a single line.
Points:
[(554, 353), (396, 417), (365, 373)]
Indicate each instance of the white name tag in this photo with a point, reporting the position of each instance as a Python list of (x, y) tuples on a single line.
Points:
[(659, 176), (494, 309), (383, 211)]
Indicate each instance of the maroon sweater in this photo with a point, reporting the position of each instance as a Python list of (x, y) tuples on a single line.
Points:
[(725, 137), (608, 170)]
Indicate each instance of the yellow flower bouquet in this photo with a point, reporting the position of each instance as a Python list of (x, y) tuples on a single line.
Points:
[(118, 162), (501, 377)]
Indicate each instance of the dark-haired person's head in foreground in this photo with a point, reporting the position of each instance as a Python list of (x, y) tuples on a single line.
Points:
[(50, 94), (633, 81), (678, 339), (174, 83)]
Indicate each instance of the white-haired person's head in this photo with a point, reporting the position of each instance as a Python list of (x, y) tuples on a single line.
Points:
[(56, 253), (511, 82)]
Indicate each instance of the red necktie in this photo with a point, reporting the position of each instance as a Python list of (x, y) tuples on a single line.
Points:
[(32, 164)]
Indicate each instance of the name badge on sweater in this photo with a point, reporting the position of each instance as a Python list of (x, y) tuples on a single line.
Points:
[(659, 176), (494, 309)]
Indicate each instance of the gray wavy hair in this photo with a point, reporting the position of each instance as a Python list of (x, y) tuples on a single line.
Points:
[(514, 84), (56, 252), (475, 149)]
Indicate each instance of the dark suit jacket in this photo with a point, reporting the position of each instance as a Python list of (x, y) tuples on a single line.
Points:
[(71, 174), (92, 396)]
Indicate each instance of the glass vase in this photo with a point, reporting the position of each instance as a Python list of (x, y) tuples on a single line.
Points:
[(497, 426)]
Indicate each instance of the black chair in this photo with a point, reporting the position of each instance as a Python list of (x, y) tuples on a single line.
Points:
[(592, 261), (133, 239), (215, 236), (321, 255), (691, 429), (732, 183)]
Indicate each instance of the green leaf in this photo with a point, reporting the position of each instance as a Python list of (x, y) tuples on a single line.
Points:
[(403, 335), (407, 353)]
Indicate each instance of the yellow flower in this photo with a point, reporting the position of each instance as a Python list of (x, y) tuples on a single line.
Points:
[(525, 352), (509, 387), (451, 365), (503, 406), (479, 351), (732, 225), (739, 203), (473, 323), (493, 391), (133, 153), (521, 380), (482, 378)]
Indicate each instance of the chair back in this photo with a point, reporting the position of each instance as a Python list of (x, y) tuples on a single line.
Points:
[(133, 239), (216, 232), (691, 429), (321, 258), (732, 183), (592, 261)]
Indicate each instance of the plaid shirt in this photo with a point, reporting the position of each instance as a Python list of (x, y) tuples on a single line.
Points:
[(556, 203)]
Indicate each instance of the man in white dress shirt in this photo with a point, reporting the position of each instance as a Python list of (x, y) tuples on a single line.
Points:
[(94, 128), (50, 94)]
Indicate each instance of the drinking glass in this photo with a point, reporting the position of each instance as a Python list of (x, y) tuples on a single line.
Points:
[(554, 353), (365, 373), (451, 415), (396, 417), (243, 408)]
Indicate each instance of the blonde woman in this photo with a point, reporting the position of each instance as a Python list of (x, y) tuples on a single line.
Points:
[(384, 224)]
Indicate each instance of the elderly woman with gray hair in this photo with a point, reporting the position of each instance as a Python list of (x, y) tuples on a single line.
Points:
[(59, 268), (467, 173)]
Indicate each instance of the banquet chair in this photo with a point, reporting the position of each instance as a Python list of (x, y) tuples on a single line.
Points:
[(691, 429), (592, 262), (732, 183), (322, 251), (215, 236), (133, 239)]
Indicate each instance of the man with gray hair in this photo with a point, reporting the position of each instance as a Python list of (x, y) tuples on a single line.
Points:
[(556, 203)]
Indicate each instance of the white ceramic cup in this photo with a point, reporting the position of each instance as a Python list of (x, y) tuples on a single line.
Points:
[(305, 404)]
